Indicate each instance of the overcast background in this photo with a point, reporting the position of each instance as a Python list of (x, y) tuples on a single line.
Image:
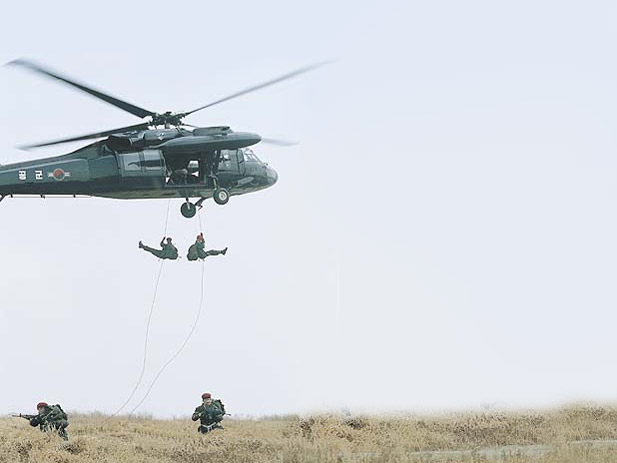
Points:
[(442, 237)]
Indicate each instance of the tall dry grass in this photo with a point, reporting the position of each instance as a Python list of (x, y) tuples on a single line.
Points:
[(571, 434)]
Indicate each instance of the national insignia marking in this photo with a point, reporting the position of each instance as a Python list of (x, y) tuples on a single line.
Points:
[(58, 174)]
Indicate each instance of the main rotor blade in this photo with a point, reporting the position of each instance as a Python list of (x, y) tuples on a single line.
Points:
[(276, 142), (130, 128), (258, 87), (128, 107)]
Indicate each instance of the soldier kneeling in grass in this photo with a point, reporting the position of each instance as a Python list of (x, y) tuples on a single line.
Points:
[(49, 418), (210, 413)]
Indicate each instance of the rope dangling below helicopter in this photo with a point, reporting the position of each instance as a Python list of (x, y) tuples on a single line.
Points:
[(148, 323), (188, 337), (182, 346)]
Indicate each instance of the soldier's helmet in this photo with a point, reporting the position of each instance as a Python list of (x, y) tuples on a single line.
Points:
[(206, 395), (41, 405)]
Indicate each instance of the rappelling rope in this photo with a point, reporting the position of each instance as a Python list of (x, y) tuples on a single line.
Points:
[(148, 324), (186, 340), (167, 215)]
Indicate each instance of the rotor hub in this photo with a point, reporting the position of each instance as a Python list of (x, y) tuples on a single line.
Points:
[(167, 118)]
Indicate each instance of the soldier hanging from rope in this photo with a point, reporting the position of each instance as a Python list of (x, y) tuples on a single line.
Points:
[(198, 250), (167, 251)]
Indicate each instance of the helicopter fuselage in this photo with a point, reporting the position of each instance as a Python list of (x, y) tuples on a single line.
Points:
[(146, 165), (157, 158)]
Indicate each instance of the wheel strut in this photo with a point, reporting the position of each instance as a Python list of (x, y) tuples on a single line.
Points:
[(199, 204)]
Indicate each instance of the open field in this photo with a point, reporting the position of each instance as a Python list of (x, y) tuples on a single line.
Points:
[(570, 434)]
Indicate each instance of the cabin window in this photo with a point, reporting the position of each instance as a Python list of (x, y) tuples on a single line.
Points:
[(131, 162), (152, 160)]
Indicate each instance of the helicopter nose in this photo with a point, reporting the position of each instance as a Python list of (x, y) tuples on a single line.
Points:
[(271, 176)]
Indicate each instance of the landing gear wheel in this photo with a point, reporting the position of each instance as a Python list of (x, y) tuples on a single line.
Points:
[(188, 210), (221, 196)]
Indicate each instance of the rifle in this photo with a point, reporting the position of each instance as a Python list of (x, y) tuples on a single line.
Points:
[(40, 419), (26, 417)]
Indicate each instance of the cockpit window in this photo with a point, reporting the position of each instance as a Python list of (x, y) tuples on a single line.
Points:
[(226, 159), (250, 156)]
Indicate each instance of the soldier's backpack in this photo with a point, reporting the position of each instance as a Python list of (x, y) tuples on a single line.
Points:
[(62, 414), (218, 403), (192, 255)]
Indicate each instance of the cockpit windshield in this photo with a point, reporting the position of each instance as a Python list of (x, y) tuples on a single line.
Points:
[(249, 155)]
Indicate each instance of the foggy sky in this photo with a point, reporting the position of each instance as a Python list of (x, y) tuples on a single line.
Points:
[(442, 236)]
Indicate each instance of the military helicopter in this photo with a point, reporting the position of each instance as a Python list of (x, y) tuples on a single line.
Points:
[(162, 157)]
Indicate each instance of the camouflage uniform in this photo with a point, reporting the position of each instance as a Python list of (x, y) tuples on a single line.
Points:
[(167, 251), (209, 415), (51, 418), (198, 251)]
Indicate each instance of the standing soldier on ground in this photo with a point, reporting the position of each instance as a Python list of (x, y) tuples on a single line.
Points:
[(210, 413), (49, 418)]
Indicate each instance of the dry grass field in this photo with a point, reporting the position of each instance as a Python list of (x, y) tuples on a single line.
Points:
[(571, 434)]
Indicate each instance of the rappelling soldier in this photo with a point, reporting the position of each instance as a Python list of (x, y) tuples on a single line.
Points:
[(210, 413), (167, 251), (49, 418), (198, 249)]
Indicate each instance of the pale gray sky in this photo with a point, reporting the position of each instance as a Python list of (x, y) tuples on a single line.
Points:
[(443, 235)]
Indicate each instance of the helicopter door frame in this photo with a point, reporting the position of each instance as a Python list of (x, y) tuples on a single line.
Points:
[(241, 162)]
